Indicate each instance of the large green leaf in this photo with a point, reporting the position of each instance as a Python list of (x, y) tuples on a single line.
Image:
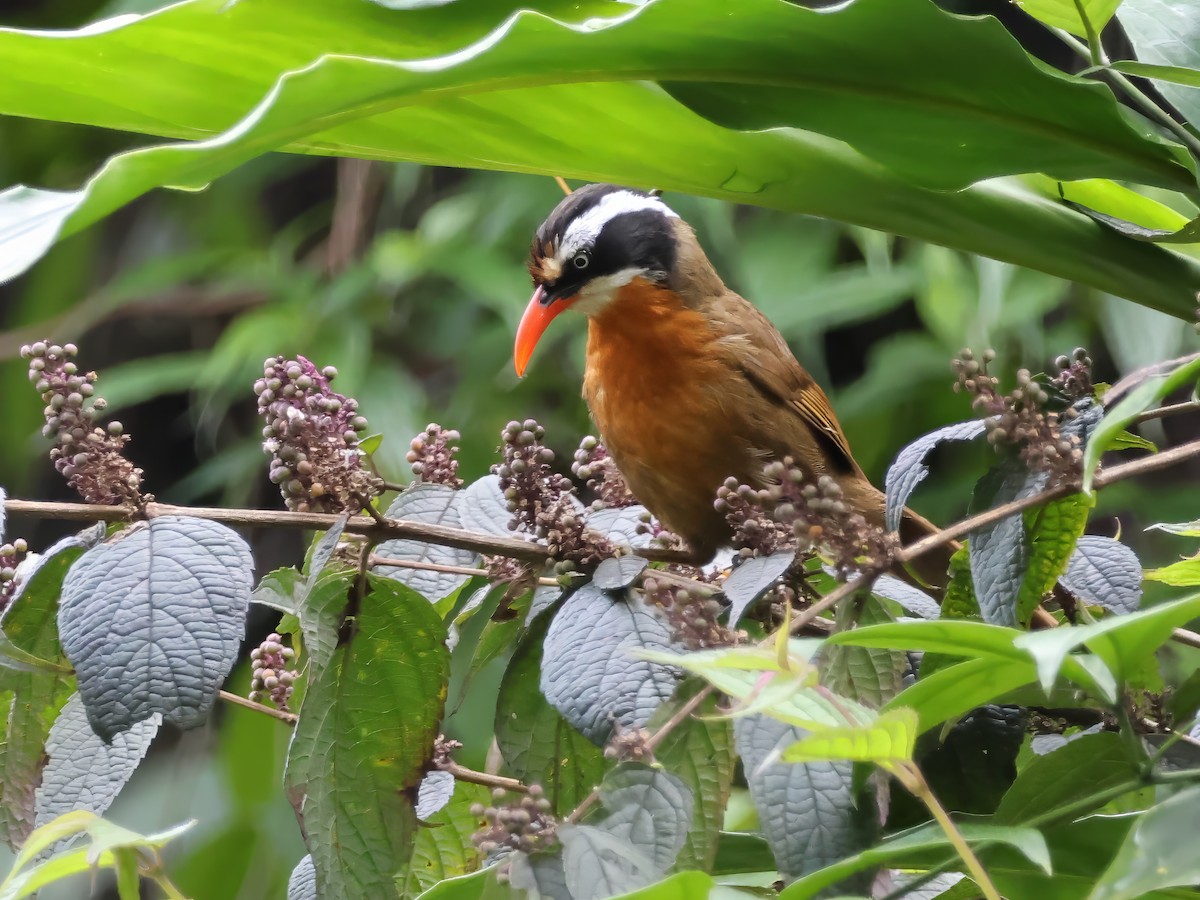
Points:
[(365, 733), (1066, 14), (195, 68), (30, 698), (538, 744), (700, 752), (1159, 852), (443, 847)]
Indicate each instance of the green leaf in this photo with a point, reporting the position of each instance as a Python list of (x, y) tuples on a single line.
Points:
[(1188, 234), (701, 753), (1158, 853), (537, 743), (869, 675), (1086, 767), (952, 691), (1187, 529), (1117, 419), (1052, 531), (464, 887), (1173, 74), (443, 847), (1165, 33), (680, 886), (1065, 14), (365, 100), (365, 732), (1122, 643), (894, 852), (649, 808), (30, 700), (1185, 573), (889, 739)]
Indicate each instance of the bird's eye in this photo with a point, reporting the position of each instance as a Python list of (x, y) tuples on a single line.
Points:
[(581, 260)]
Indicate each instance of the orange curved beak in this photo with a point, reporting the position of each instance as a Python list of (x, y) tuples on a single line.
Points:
[(540, 312)]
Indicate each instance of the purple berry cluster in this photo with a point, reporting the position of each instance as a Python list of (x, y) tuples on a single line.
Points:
[(795, 511), (525, 825), (1019, 421), (272, 673), (432, 456), (90, 457), (11, 556), (543, 502), (599, 472), (312, 436), (694, 616)]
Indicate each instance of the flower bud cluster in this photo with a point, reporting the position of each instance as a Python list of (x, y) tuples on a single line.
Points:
[(629, 745), (1074, 376), (272, 673), (543, 502), (793, 511), (443, 751), (1019, 419), (432, 456), (90, 457), (10, 557), (694, 616), (526, 825), (312, 436), (599, 472)]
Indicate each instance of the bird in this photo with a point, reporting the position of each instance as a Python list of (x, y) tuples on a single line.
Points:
[(687, 382)]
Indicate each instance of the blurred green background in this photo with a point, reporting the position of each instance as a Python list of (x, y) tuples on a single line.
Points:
[(411, 280)]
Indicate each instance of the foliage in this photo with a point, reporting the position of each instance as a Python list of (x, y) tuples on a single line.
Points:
[(657, 730)]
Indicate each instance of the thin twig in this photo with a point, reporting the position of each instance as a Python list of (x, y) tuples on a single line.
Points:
[(442, 567), (279, 714), (462, 773), (562, 183), (1174, 409)]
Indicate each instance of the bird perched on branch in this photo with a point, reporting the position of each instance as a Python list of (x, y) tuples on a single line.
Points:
[(688, 383)]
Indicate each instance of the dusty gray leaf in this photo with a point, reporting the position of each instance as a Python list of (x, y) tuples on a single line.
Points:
[(649, 808), (303, 883), (434, 504), (83, 772), (1105, 572), (541, 877), (913, 599), (588, 673), (152, 621), (909, 469), (483, 508), (932, 889), (999, 553), (544, 596), (1166, 34), (806, 811), (747, 582), (599, 864), (1042, 744), (323, 551), (434, 792), (621, 525), (619, 572)]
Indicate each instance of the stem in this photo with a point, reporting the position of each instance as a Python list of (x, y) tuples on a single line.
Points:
[(281, 715), (462, 773), (1148, 106), (912, 779), (1174, 409), (1094, 45), (441, 567)]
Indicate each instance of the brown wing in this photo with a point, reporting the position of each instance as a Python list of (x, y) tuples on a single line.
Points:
[(757, 352)]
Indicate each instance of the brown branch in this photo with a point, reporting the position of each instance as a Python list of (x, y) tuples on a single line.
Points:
[(442, 567), (462, 773), (281, 715), (1174, 409)]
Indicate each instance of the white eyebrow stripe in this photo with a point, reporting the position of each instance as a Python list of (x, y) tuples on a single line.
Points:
[(584, 230)]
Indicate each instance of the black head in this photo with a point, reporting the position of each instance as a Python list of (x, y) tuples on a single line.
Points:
[(601, 237)]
